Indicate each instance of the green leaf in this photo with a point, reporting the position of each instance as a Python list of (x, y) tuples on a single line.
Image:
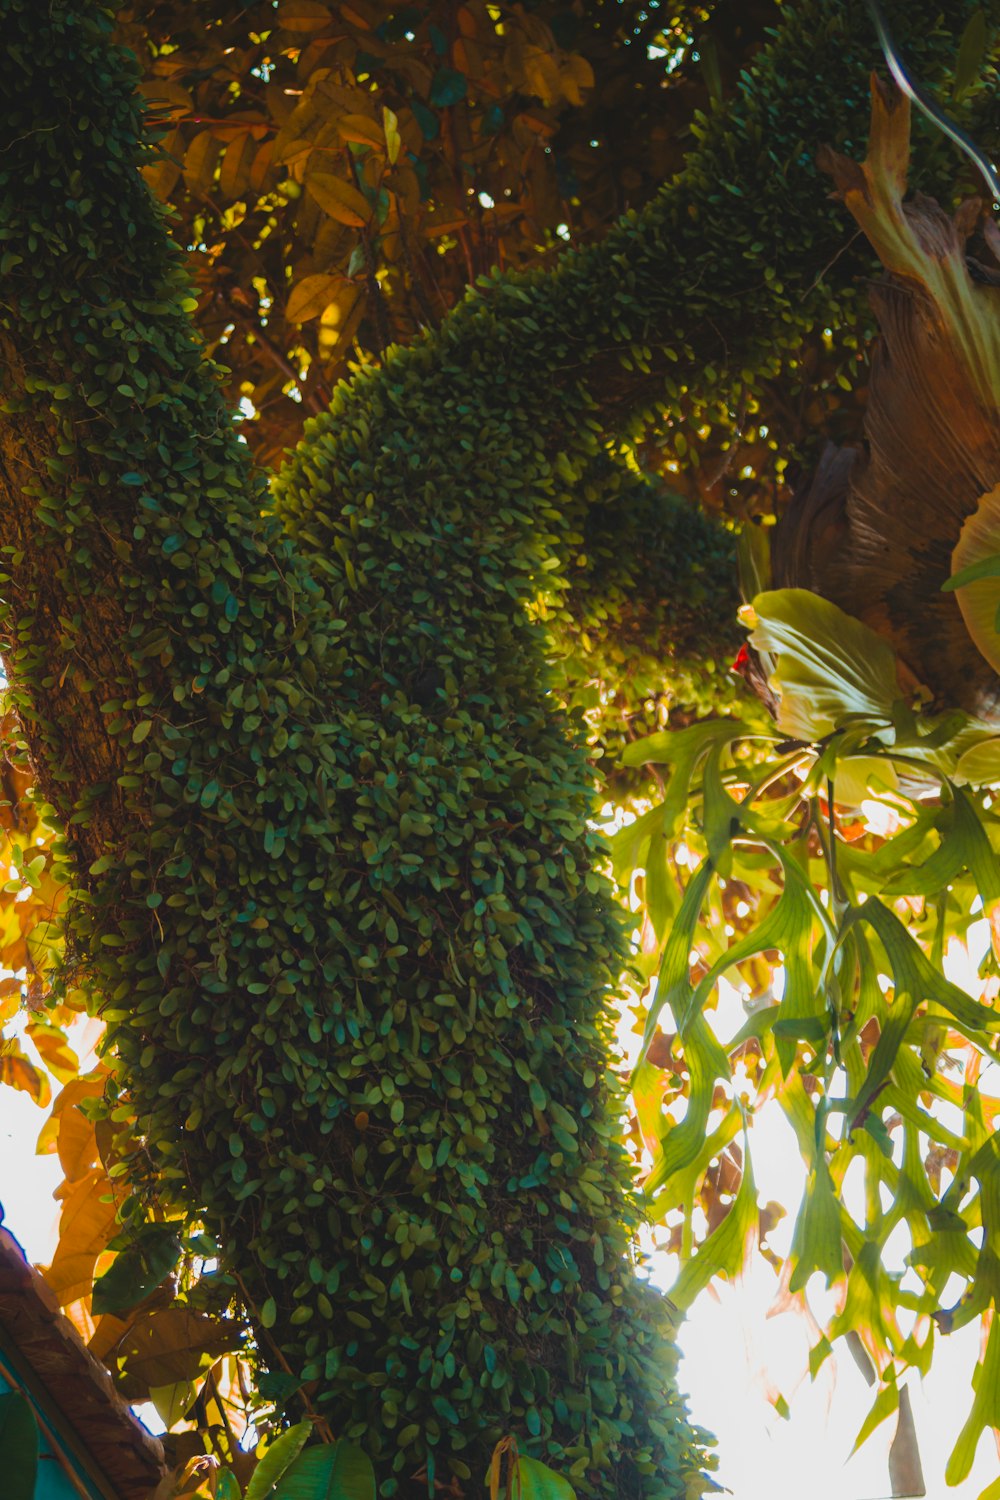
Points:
[(138, 1269), (971, 52), (726, 1249), (228, 1487), (829, 665), (817, 1242), (985, 1410), (18, 1446), (915, 979), (980, 764), (337, 1471), (885, 1403), (975, 575), (539, 1482), (280, 1456)]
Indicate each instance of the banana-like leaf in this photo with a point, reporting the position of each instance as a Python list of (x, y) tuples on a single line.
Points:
[(335, 1471), (280, 1456), (539, 1482)]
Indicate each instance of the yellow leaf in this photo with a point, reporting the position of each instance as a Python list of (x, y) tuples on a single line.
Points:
[(173, 1344), (54, 1050), (338, 199), (106, 1334), (77, 1144), (79, 1314), (303, 15), (310, 296), (360, 129), (19, 1073), (10, 998), (575, 76), (199, 1479), (393, 141), (172, 1401), (89, 1087), (541, 74), (86, 1225), (234, 174)]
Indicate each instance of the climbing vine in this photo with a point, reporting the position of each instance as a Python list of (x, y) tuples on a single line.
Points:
[(335, 890)]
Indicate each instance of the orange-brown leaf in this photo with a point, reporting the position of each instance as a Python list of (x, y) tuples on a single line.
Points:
[(338, 199), (171, 1344), (362, 130), (234, 174), (311, 296), (303, 15)]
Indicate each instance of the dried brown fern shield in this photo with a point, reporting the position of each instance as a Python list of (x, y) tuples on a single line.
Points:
[(876, 529)]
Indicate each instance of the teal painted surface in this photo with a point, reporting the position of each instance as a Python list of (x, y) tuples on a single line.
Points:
[(53, 1481)]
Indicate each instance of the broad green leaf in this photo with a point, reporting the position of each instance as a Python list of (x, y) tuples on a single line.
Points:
[(173, 1401), (976, 575), (18, 1446), (647, 1098), (138, 1269), (980, 764), (336, 1471), (539, 1482), (279, 1457), (830, 666), (859, 777), (753, 561), (228, 1487)]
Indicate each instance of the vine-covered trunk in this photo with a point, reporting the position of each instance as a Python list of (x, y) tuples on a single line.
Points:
[(337, 897)]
